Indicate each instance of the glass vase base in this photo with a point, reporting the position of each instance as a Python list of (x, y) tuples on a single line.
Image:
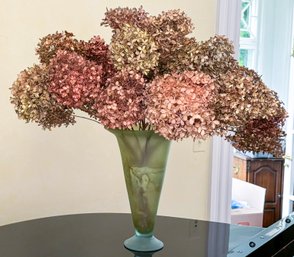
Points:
[(143, 244)]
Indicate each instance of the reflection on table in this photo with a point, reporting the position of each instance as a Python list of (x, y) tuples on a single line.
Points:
[(94, 235)]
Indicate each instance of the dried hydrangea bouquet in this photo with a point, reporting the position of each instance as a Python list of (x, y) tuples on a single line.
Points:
[(151, 84)]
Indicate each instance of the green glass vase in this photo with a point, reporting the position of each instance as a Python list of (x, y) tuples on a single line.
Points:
[(144, 156)]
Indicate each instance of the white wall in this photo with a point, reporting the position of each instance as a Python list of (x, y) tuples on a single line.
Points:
[(78, 169)]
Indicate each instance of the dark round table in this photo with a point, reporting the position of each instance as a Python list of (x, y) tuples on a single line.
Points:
[(103, 234)]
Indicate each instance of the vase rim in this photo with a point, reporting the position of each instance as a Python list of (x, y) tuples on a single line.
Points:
[(132, 132)]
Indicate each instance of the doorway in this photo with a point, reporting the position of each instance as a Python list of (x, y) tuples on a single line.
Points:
[(278, 16), (266, 41)]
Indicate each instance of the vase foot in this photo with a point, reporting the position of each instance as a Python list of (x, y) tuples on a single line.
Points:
[(143, 244)]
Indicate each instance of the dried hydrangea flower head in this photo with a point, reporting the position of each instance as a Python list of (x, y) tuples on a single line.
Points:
[(74, 81), (170, 24), (169, 30), (50, 44), (117, 17), (214, 56), (243, 96), (134, 49), (179, 59), (259, 135), (251, 113), (33, 102), (121, 103), (97, 50), (178, 105)]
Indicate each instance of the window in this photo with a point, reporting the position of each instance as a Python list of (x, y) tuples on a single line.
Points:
[(248, 34)]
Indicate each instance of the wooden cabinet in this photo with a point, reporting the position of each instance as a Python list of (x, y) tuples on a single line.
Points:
[(268, 173)]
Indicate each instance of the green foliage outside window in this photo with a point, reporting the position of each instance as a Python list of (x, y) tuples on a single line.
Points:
[(243, 57), (244, 34), (245, 20)]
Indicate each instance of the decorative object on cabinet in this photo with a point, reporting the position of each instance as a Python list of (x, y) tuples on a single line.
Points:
[(239, 167)]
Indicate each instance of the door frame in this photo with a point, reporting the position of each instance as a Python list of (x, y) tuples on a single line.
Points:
[(228, 24)]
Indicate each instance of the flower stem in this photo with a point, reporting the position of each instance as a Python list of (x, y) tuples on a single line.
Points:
[(86, 118)]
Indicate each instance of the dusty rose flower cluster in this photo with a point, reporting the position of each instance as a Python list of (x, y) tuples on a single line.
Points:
[(179, 105), (95, 49), (152, 75), (121, 104), (74, 81), (98, 51)]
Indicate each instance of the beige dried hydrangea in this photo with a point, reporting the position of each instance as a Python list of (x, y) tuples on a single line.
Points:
[(33, 102), (180, 56), (214, 56), (134, 49), (169, 30)]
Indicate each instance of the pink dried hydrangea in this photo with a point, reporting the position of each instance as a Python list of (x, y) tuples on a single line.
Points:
[(179, 105), (98, 51), (95, 50), (74, 81), (121, 103)]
